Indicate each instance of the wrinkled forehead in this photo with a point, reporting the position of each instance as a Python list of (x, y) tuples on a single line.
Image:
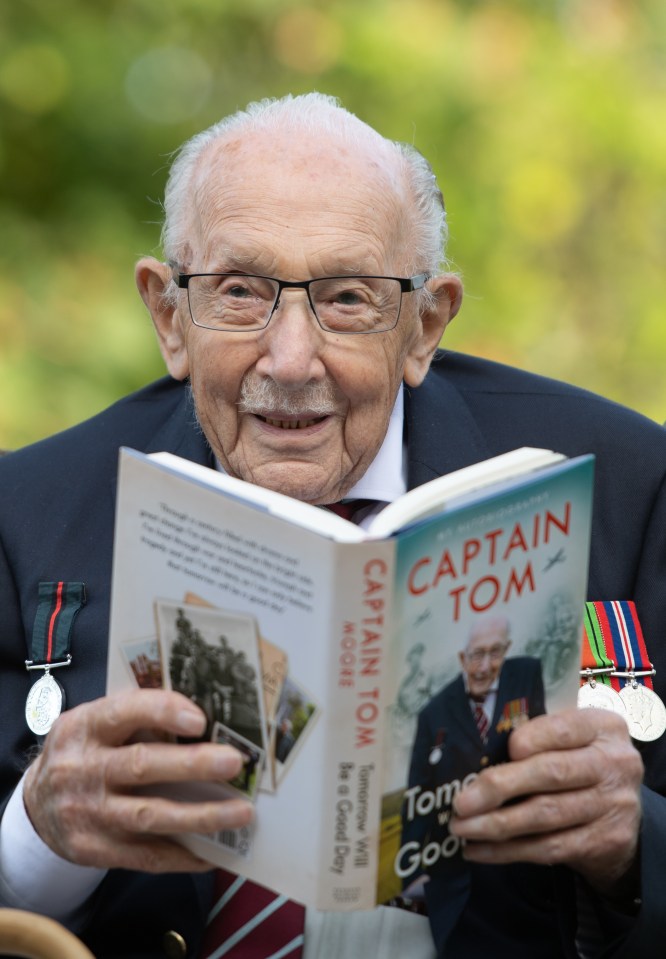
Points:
[(313, 183), (490, 633)]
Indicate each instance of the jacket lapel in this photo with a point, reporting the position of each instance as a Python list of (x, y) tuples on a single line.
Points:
[(442, 435), (179, 434), (182, 435)]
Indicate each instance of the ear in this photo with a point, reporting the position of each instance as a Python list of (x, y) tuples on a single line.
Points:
[(461, 657), (447, 292), (152, 278)]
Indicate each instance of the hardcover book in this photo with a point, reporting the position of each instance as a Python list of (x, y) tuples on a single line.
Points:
[(366, 675)]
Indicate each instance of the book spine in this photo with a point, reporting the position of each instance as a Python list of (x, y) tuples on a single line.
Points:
[(358, 647)]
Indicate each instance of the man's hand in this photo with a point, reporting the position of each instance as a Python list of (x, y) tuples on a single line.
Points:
[(84, 793), (575, 781)]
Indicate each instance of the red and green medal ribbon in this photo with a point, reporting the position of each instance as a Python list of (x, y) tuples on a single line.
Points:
[(623, 635), (616, 671), (597, 653), (58, 604)]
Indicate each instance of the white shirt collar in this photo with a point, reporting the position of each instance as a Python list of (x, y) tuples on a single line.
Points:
[(385, 479)]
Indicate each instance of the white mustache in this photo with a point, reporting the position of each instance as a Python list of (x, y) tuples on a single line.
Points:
[(264, 396)]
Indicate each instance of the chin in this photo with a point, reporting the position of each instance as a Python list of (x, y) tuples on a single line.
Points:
[(297, 482)]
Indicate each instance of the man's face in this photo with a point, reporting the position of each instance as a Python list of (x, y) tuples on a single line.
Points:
[(484, 656), (297, 210)]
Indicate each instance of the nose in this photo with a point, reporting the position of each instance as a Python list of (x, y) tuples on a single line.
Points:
[(292, 343)]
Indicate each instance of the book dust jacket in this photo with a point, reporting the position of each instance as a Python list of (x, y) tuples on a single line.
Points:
[(488, 610)]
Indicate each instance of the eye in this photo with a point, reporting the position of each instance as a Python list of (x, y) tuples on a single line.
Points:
[(348, 297), (240, 288), (343, 293), (235, 287)]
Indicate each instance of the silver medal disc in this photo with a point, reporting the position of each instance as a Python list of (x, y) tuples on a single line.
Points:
[(598, 696), (43, 705), (646, 713), (435, 755)]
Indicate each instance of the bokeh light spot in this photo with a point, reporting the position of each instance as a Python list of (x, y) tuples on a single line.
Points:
[(168, 85), (307, 40), (541, 200), (35, 78)]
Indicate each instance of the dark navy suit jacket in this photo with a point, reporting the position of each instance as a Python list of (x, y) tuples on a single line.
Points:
[(56, 523)]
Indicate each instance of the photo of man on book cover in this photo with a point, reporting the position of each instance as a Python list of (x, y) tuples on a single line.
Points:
[(463, 728)]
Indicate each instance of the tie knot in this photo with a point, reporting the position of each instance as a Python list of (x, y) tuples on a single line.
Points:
[(348, 508)]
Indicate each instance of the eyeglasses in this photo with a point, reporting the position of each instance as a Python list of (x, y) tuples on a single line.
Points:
[(239, 303), (494, 653)]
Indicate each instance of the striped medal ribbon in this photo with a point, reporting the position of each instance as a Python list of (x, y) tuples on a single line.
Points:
[(598, 689), (645, 711), (57, 606)]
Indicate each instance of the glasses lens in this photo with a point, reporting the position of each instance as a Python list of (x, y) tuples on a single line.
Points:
[(356, 304), (494, 653), (231, 301)]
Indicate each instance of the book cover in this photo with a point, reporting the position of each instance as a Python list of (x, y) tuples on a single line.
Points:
[(488, 606), (316, 648)]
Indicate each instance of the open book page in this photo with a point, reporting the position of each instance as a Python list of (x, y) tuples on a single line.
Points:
[(415, 505), (434, 496), (303, 514)]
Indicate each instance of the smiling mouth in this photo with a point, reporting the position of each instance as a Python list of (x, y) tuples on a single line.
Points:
[(294, 424)]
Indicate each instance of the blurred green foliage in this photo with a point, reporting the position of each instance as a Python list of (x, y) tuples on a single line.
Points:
[(545, 122)]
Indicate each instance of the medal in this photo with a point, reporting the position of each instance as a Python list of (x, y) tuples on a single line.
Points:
[(614, 627), (436, 752), (646, 713), (44, 704), (597, 690), (56, 609), (595, 695)]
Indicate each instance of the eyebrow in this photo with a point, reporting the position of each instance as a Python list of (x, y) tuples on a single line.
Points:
[(228, 260), (262, 262)]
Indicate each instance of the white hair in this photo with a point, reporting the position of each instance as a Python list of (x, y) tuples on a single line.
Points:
[(312, 114)]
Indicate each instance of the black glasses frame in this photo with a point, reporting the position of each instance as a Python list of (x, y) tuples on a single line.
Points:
[(407, 285)]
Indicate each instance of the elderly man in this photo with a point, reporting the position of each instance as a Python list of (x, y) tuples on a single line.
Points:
[(298, 313)]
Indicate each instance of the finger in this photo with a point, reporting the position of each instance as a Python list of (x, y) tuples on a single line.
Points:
[(543, 814), (559, 752), (147, 763), (568, 729), (601, 856), (548, 850), (144, 854), (605, 812), (113, 720), (156, 816), (544, 773), (109, 834)]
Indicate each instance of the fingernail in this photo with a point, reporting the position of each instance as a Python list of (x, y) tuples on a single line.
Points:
[(190, 723), (229, 761)]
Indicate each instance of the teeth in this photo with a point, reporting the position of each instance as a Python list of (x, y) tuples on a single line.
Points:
[(290, 424)]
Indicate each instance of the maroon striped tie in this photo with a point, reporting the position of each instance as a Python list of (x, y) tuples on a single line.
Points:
[(248, 921), (481, 719), (349, 508)]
